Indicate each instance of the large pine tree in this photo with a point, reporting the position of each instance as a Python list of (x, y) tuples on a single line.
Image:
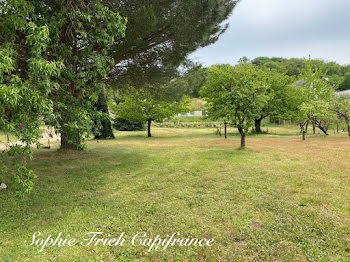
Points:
[(160, 35)]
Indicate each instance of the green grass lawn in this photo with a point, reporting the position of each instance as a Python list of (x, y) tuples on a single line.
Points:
[(281, 199)]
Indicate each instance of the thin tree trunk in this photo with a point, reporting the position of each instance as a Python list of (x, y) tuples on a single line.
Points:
[(337, 126), (348, 124), (307, 125), (242, 133), (243, 140), (323, 130), (257, 123), (225, 123), (149, 122), (313, 128), (218, 130), (303, 131)]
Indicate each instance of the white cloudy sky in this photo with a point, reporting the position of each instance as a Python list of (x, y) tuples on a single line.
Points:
[(286, 28)]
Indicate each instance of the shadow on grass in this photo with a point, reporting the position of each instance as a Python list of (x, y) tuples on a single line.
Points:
[(198, 135), (66, 180)]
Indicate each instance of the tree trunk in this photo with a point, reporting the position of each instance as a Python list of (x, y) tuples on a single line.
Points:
[(242, 133), (337, 126), (307, 125), (219, 131), (71, 140), (348, 124), (225, 123), (105, 131), (313, 128), (149, 122), (258, 125), (323, 130), (303, 131)]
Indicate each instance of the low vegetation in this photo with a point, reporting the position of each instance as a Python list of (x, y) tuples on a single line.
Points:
[(272, 201)]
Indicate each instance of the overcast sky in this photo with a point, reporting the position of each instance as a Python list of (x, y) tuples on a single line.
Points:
[(285, 28)]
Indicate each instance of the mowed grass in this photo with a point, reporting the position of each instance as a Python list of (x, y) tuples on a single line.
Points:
[(281, 199)]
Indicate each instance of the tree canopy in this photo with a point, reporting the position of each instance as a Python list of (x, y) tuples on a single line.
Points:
[(335, 72), (145, 105), (160, 36), (236, 94)]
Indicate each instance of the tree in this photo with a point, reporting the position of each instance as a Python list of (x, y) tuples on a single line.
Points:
[(102, 123), (191, 82), (243, 59), (341, 106), (81, 34), (319, 113), (25, 85), (296, 66), (345, 84), (278, 102), (237, 93), (160, 36), (318, 92), (143, 105)]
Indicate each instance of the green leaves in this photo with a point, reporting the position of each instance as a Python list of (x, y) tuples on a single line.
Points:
[(25, 85), (160, 36), (236, 94), (142, 105), (341, 106), (6, 62), (38, 38)]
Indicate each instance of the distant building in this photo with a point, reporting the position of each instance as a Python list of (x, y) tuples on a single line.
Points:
[(345, 92), (300, 82), (194, 113)]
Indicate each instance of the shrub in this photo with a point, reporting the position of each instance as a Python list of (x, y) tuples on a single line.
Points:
[(124, 125)]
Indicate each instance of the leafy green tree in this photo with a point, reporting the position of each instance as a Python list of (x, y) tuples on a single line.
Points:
[(273, 66), (238, 94), (279, 101), (143, 105), (80, 34), (102, 127), (332, 68), (260, 61), (25, 87), (318, 92), (345, 83), (243, 59), (341, 106), (191, 82), (296, 66), (319, 113)]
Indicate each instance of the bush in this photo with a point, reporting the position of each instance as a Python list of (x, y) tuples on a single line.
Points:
[(124, 125)]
